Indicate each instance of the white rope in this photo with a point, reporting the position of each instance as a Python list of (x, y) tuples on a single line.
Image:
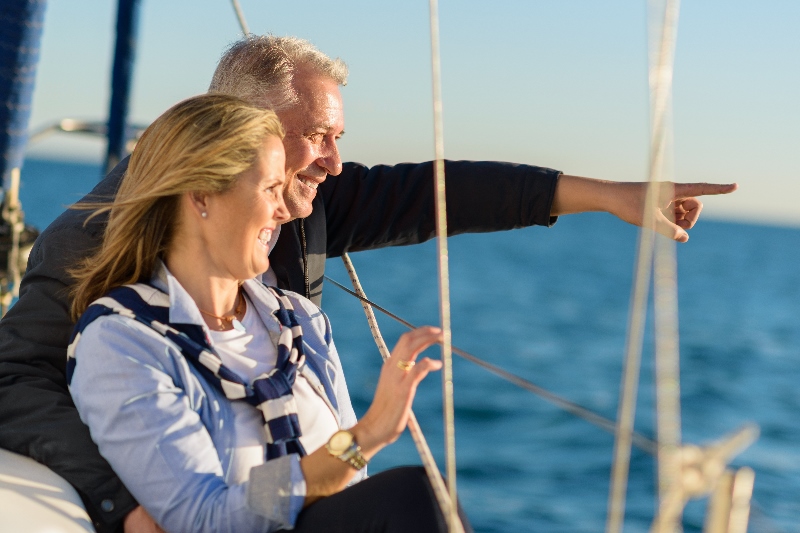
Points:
[(444, 279), (630, 379), (434, 476), (660, 78)]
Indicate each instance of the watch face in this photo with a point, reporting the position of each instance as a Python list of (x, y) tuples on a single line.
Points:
[(340, 442)]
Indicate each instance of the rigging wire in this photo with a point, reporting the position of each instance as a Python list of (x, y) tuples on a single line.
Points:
[(240, 17), (640, 441), (444, 278)]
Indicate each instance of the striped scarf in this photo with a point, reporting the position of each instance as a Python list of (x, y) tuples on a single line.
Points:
[(270, 393)]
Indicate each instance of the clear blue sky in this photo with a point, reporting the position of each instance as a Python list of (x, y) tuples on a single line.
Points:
[(559, 83)]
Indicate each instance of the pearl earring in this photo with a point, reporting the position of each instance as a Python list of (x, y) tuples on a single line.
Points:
[(204, 214)]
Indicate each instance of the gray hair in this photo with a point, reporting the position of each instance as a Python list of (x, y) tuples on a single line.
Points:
[(260, 69)]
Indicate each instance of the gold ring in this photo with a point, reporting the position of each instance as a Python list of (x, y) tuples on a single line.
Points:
[(405, 365)]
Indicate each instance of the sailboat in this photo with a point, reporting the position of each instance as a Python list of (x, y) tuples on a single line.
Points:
[(122, 137)]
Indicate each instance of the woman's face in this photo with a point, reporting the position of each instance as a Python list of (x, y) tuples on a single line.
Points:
[(240, 221)]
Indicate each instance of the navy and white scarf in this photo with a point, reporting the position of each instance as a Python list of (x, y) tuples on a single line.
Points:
[(270, 393)]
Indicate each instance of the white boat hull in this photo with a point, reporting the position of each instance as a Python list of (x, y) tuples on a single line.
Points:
[(35, 499)]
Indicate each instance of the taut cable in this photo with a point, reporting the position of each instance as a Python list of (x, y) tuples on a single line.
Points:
[(240, 17), (640, 441)]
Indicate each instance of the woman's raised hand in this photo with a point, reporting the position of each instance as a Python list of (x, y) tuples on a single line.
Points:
[(385, 419), (388, 415)]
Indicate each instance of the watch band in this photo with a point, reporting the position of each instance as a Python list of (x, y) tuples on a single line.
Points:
[(354, 457)]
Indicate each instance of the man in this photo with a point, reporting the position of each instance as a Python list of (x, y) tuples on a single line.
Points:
[(336, 208)]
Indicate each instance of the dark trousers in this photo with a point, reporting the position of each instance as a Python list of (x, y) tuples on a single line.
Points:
[(400, 500)]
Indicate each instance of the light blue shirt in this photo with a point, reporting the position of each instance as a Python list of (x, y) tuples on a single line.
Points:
[(168, 433)]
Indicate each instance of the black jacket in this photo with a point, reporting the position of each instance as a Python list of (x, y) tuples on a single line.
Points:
[(362, 208)]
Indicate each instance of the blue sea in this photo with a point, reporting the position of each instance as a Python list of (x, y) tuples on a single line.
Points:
[(551, 305)]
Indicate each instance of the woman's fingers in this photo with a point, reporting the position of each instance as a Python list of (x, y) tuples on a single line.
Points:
[(388, 415), (412, 343)]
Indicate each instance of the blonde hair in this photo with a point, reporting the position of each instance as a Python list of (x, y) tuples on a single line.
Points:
[(202, 144), (260, 69)]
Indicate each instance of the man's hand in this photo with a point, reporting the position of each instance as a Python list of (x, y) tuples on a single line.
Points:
[(138, 521), (679, 207)]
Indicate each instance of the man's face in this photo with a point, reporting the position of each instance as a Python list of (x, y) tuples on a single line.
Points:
[(312, 127)]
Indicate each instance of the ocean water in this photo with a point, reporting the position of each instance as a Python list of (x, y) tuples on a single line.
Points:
[(551, 305)]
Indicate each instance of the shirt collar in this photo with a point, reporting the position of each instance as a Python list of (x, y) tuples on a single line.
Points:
[(182, 309)]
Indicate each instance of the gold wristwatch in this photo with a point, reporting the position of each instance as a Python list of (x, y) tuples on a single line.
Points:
[(344, 447)]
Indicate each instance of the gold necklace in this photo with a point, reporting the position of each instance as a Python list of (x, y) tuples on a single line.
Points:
[(233, 319)]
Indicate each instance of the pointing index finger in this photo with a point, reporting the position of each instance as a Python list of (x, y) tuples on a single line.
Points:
[(687, 190)]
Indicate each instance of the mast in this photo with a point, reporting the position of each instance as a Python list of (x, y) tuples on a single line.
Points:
[(121, 80), (20, 39)]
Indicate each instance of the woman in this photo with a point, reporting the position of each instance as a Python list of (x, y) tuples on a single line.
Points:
[(188, 371)]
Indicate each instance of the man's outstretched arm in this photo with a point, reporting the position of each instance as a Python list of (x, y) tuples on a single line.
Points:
[(367, 208), (393, 205), (679, 207)]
